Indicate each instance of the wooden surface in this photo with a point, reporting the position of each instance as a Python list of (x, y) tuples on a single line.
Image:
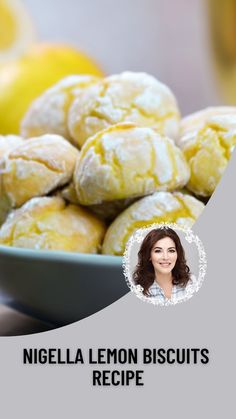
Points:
[(14, 323)]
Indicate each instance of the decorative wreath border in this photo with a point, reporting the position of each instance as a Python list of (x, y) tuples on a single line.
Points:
[(190, 237)]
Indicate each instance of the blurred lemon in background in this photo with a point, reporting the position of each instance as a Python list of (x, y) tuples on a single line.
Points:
[(24, 79), (16, 29), (27, 69)]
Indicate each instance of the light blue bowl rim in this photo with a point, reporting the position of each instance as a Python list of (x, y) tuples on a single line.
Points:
[(59, 256)]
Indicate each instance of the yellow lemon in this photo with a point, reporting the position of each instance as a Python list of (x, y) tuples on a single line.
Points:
[(16, 29), (22, 80)]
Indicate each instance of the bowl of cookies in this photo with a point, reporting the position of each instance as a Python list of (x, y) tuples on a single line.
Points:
[(96, 159)]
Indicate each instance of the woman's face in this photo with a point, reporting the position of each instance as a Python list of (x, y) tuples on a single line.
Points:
[(164, 255)]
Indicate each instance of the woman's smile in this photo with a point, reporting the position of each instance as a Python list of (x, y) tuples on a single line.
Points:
[(161, 270), (164, 255)]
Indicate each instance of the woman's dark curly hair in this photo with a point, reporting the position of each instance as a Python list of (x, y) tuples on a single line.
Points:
[(144, 274)]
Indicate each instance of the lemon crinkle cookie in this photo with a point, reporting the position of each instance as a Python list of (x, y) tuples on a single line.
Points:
[(208, 146), (125, 161), (48, 223), (197, 120), (8, 142), (48, 113), (36, 167), (160, 207), (126, 97), (106, 210)]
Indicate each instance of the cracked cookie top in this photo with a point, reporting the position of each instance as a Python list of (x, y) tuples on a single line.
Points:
[(48, 223), (207, 145), (126, 97), (168, 207), (126, 161), (197, 120), (36, 167), (49, 112), (8, 142)]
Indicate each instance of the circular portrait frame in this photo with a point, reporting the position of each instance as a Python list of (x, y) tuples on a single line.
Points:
[(138, 236)]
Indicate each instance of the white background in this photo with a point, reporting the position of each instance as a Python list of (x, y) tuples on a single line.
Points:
[(167, 38)]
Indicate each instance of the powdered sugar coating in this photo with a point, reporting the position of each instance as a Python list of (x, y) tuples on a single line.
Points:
[(48, 113), (157, 208), (197, 120), (207, 145), (106, 211), (126, 161), (36, 167), (8, 142), (47, 223), (126, 97)]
